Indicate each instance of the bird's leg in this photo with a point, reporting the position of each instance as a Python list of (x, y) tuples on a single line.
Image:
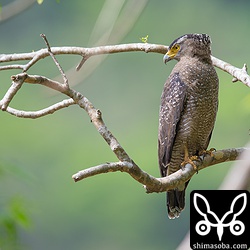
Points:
[(188, 159)]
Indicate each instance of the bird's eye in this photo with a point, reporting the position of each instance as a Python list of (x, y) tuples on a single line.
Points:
[(176, 47)]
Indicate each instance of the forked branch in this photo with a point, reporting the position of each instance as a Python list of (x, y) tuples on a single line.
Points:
[(153, 184), (86, 53), (125, 163)]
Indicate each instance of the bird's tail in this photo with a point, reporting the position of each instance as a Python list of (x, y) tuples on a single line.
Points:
[(175, 203)]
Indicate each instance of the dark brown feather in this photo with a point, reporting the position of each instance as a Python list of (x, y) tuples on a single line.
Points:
[(189, 104)]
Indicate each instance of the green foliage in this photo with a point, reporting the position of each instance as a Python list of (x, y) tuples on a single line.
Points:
[(144, 39), (13, 212), (13, 215)]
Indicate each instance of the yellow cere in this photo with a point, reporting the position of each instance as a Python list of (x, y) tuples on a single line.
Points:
[(173, 51)]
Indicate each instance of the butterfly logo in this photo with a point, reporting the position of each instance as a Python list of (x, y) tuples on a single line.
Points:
[(210, 219)]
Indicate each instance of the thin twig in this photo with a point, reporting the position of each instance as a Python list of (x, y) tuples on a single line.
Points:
[(65, 79)]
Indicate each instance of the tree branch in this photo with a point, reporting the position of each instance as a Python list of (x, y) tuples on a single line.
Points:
[(43, 112), (77, 98), (125, 164), (86, 53), (238, 74), (15, 86), (65, 79), (153, 184), (34, 57)]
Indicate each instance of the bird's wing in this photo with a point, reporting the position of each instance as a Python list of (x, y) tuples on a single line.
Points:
[(172, 105)]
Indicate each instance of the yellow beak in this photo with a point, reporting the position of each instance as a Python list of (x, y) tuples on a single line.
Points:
[(169, 55)]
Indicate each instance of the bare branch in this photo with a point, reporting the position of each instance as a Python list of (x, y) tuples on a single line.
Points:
[(65, 79), (238, 74), (86, 53), (35, 79), (125, 164), (153, 184), (15, 86), (43, 112), (77, 98), (17, 82)]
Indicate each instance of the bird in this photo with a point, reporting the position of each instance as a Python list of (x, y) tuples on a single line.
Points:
[(189, 104)]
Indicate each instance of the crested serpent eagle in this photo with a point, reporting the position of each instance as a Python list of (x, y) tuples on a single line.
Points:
[(189, 104)]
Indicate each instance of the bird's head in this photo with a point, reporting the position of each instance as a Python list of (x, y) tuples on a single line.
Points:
[(189, 45)]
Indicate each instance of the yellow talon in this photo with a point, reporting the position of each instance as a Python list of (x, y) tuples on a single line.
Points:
[(189, 160), (209, 152)]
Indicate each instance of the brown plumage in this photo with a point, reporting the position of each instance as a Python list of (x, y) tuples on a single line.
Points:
[(188, 109)]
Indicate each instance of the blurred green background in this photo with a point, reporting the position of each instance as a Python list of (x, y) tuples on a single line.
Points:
[(39, 202)]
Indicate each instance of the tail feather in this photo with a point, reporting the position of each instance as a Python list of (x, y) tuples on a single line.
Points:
[(175, 203)]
